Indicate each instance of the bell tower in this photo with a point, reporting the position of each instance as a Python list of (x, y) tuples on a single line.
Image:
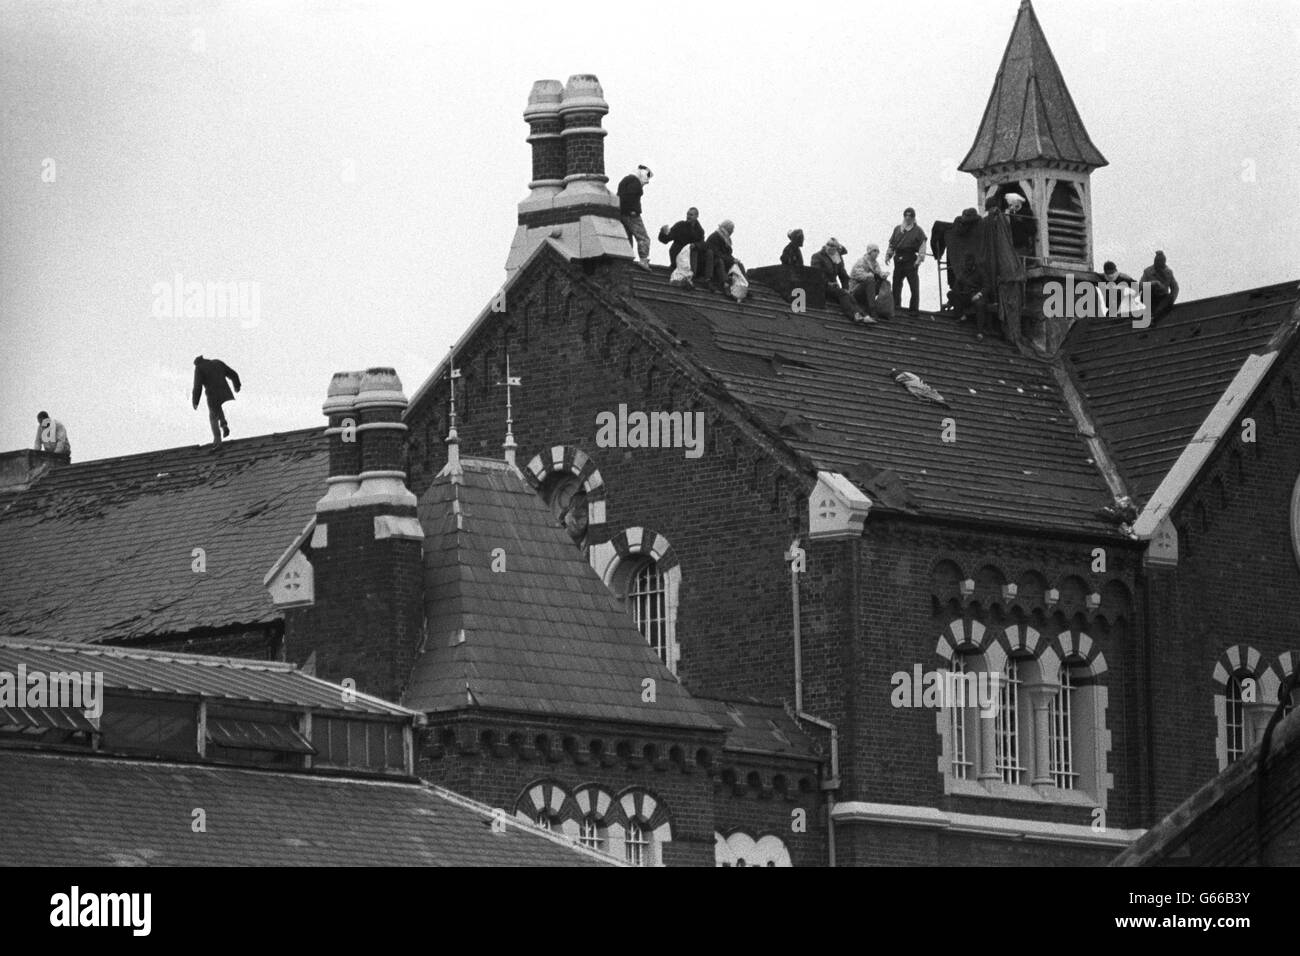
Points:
[(1032, 141)]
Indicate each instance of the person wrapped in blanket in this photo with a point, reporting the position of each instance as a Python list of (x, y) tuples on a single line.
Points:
[(830, 261)]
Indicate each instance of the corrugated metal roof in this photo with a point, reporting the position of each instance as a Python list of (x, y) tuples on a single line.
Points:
[(160, 672)]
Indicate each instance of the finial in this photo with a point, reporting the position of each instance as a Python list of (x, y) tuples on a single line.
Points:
[(509, 445), (453, 439)]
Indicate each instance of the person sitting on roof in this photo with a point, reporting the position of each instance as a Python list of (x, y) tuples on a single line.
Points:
[(1119, 292), (685, 234), (968, 297), (51, 436), (718, 258), (866, 279), (830, 260), (1164, 287), (792, 254)]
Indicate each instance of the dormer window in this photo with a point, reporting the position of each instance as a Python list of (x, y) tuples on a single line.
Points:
[(647, 597)]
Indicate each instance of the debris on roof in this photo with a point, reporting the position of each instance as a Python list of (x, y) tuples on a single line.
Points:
[(917, 386)]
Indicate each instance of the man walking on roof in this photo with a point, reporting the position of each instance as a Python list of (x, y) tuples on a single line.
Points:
[(210, 376)]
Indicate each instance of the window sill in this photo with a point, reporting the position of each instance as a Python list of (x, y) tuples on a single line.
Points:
[(997, 790)]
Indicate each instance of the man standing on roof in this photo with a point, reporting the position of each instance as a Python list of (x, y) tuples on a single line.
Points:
[(629, 209), (1164, 287), (792, 254), (51, 436), (907, 244), (210, 376)]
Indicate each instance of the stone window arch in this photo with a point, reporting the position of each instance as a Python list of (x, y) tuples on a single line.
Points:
[(1245, 695), (546, 804), (569, 481), (641, 569)]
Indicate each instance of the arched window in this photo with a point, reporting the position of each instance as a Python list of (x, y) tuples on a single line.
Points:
[(647, 599), (963, 747), (1061, 727), (591, 832), (1235, 718), (636, 844), (1007, 759)]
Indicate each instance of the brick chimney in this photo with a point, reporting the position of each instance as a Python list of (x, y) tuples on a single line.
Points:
[(569, 199), (21, 469), (364, 609)]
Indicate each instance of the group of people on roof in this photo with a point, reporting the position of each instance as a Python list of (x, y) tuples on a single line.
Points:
[(865, 293)]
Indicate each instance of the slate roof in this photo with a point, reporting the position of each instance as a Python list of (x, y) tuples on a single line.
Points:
[(823, 387), (1148, 391), (101, 550), (544, 637), (758, 728), (1030, 114), (152, 672), (70, 810)]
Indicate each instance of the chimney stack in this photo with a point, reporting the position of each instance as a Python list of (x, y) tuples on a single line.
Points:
[(568, 144), (364, 618)]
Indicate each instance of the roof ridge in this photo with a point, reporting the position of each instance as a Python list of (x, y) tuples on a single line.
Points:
[(179, 657)]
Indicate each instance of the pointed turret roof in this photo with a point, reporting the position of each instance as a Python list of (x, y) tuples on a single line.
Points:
[(1030, 115), (539, 634)]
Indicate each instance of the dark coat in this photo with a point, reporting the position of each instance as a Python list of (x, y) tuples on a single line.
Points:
[(834, 273), (629, 195), (721, 250), (683, 233), (211, 374), (792, 255)]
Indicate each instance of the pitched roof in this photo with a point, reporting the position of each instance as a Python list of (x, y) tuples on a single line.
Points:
[(1150, 390), (101, 550), (66, 810), (543, 637), (1220, 824), (823, 387), (1030, 114), (759, 728), (154, 672)]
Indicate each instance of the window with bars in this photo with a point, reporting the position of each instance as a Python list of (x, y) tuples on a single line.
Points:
[(1235, 719), (647, 596), (636, 844), (1007, 756), (591, 834), (962, 764), (1060, 726), (545, 821)]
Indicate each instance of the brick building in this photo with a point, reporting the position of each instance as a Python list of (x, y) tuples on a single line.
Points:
[(792, 527)]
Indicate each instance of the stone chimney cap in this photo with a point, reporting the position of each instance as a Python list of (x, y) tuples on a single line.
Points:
[(381, 384), (583, 92), (544, 99), (342, 392)]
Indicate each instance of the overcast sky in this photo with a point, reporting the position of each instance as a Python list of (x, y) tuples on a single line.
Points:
[(359, 165)]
